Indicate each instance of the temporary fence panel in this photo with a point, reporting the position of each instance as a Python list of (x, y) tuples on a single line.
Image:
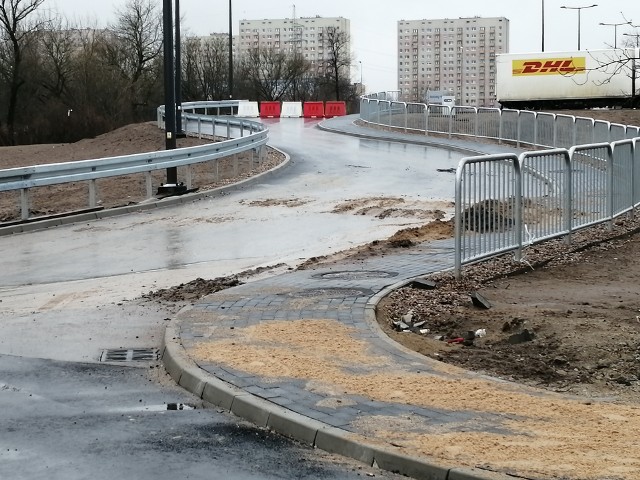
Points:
[(527, 127), (416, 116), (633, 132), (439, 118), (600, 132), (487, 209), (464, 121), (546, 210), (510, 121), (565, 128), (617, 132), (398, 115), (590, 174), (622, 173), (488, 122), (545, 129)]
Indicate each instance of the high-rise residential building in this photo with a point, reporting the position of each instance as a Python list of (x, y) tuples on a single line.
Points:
[(307, 36), (454, 56)]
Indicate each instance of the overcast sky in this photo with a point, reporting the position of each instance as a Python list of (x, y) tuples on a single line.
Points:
[(373, 27)]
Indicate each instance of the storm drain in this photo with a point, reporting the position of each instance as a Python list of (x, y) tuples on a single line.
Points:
[(130, 355), (330, 292), (355, 275)]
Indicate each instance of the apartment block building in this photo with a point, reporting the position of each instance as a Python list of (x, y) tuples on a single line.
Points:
[(306, 36), (454, 56)]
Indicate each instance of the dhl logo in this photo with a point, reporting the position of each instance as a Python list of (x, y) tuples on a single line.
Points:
[(551, 66)]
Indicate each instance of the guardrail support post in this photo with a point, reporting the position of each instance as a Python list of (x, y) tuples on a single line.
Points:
[(92, 193), (24, 203), (148, 180), (189, 176)]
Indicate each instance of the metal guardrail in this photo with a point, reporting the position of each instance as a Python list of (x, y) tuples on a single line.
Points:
[(248, 135), (589, 173), (520, 127)]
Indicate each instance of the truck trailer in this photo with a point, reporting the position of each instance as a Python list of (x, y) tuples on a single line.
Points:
[(557, 80)]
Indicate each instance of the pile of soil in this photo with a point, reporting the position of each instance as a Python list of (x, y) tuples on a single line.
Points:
[(566, 319)]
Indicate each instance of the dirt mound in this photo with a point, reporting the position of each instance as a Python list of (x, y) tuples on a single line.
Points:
[(568, 319), (405, 238)]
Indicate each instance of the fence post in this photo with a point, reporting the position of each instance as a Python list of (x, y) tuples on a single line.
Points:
[(457, 265), (426, 119), (535, 129), (517, 164), (450, 122), (610, 206), (518, 130), (568, 200), (500, 128), (477, 121), (406, 116)]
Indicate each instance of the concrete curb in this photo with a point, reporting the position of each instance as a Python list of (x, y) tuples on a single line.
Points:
[(426, 141), (266, 414), (141, 207)]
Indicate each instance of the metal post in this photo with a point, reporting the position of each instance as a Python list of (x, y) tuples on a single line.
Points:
[(171, 187), (230, 53), (543, 25), (178, 77)]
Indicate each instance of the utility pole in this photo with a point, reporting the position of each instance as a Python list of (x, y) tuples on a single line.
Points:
[(178, 69), (230, 53), (543, 25), (171, 187)]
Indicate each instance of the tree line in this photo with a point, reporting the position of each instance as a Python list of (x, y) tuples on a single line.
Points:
[(61, 81)]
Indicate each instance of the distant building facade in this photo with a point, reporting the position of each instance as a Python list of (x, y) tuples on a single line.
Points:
[(454, 56), (306, 36)]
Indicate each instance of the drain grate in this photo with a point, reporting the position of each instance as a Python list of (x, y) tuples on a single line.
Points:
[(330, 292), (355, 275), (129, 355)]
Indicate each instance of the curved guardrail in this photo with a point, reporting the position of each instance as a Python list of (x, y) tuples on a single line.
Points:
[(248, 135)]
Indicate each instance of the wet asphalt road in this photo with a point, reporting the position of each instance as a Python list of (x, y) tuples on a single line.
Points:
[(65, 420), (68, 293)]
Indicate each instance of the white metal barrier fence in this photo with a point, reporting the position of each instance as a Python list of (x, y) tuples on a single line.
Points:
[(242, 135), (506, 202), (520, 127), (589, 173)]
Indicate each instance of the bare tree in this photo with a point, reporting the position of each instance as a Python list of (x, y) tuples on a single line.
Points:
[(16, 33), (338, 61), (205, 68), (271, 74), (136, 46)]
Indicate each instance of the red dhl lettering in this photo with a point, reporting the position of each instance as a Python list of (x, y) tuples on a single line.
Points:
[(558, 66)]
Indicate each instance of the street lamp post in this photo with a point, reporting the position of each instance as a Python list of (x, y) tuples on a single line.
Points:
[(230, 53), (615, 30), (543, 25), (171, 187), (636, 55), (579, 10)]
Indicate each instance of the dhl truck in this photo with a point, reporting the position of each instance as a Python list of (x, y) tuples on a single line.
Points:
[(556, 80)]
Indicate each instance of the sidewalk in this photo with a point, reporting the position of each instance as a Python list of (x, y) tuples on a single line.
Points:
[(301, 353)]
